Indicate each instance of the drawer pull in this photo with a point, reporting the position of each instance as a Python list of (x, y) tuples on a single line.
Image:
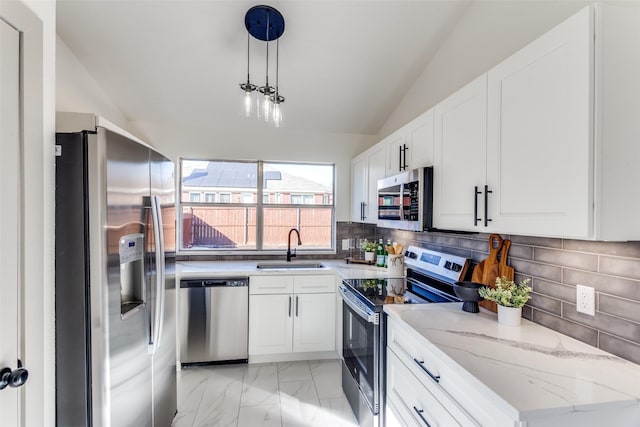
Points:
[(419, 412), (420, 363)]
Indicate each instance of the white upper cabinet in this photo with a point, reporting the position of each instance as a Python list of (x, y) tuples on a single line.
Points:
[(399, 152), (366, 169), (359, 190), (411, 146), (539, 145), (459, 164)]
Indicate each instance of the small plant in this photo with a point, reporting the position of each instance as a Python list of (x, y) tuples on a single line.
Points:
[(368, 246), (507, 293)]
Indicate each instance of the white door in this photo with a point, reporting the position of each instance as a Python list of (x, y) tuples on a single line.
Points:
[(538, 144), (313, 325), (270, 324), (10, 214), (460, 157)]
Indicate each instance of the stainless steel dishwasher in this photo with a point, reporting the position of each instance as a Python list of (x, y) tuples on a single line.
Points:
[(214, 320)]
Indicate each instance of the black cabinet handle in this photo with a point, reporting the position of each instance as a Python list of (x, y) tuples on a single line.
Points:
[(362, 205), (486, 205), (13, 378), (297, 305), (402, 157), (405, 166), (475, 206), (289, 306), (419, 412), (420, 363)]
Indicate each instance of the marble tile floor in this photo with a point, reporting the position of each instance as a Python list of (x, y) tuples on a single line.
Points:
[(290, 394)]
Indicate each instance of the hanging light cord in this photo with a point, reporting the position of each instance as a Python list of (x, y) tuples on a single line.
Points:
[(267, 71), (248, 56)]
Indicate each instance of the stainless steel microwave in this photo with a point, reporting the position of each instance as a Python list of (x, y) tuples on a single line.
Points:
[(405, 201)]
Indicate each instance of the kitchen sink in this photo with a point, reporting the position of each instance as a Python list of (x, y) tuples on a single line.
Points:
[(290, 266)]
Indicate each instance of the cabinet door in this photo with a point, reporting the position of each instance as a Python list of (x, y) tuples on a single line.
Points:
[(460, 156), (376, 160), (398, 152), (314, 322), (539, 137), (270, 324), (420, 141), (359, 193)]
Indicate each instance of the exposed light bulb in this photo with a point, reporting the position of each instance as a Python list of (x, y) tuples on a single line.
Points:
[(247, 104), (266, 107), (277, 115)]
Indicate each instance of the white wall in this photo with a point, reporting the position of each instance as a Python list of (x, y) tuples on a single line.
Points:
[(77, 90), (487, 33)]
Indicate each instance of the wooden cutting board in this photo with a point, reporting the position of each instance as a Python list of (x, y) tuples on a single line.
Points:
[(488, 269), (505, 270)]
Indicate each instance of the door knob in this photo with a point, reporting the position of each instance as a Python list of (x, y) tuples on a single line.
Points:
[(13, 378)]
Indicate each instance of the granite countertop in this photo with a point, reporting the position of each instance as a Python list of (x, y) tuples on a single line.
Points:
[(534, 371), (197, 269)]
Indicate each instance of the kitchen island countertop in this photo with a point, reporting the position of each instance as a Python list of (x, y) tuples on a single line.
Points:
[(530, 371)]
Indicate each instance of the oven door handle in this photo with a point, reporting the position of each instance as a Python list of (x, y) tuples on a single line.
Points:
[(369, 316)]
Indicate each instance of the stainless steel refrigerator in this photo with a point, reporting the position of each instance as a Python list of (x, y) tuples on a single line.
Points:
[(115, 281)]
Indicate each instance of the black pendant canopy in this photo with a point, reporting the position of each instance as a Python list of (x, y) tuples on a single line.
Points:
[(256, 21)]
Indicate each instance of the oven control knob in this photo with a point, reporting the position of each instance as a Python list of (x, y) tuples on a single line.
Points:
[(447, 265), (456, 267), (411, 254)]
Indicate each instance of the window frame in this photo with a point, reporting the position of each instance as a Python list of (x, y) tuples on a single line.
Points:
[(259, 205)]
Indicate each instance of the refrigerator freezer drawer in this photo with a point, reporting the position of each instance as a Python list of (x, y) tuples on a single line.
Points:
[(214, 323)]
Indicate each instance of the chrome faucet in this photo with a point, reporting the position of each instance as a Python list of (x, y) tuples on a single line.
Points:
[(289, 254)]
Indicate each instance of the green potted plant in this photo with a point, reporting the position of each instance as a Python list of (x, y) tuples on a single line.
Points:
[(510, 298), (369, 250)]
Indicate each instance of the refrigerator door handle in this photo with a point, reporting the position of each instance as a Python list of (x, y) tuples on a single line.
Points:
[(161, 271), (155, 315)]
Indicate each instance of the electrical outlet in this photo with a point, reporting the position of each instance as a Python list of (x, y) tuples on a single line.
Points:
[(585, 300)]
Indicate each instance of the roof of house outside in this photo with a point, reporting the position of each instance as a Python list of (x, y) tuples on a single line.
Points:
[(244, 175)]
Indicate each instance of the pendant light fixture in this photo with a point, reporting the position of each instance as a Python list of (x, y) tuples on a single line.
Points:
[(264, 23)]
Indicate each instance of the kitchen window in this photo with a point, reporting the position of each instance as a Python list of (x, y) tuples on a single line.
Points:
[(257, 204)]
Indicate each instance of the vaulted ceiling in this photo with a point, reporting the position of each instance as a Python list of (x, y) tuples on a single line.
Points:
[(344, 65)]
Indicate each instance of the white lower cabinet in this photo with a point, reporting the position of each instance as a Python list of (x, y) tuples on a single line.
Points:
[(291, 314), (270, 324), (424, 389), (414, 403), (313, 322)]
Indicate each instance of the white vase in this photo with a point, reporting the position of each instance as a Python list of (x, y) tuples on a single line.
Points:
[(509, 316), (369, 256)]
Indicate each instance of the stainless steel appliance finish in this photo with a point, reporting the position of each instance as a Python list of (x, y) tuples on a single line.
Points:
[(405, 200), (115, 287), (214, 320), (430, 279)]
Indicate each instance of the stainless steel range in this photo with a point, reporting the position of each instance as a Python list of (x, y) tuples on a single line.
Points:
[(430, 276)]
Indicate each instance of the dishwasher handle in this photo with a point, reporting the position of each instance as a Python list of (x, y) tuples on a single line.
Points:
[(213, 283)]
